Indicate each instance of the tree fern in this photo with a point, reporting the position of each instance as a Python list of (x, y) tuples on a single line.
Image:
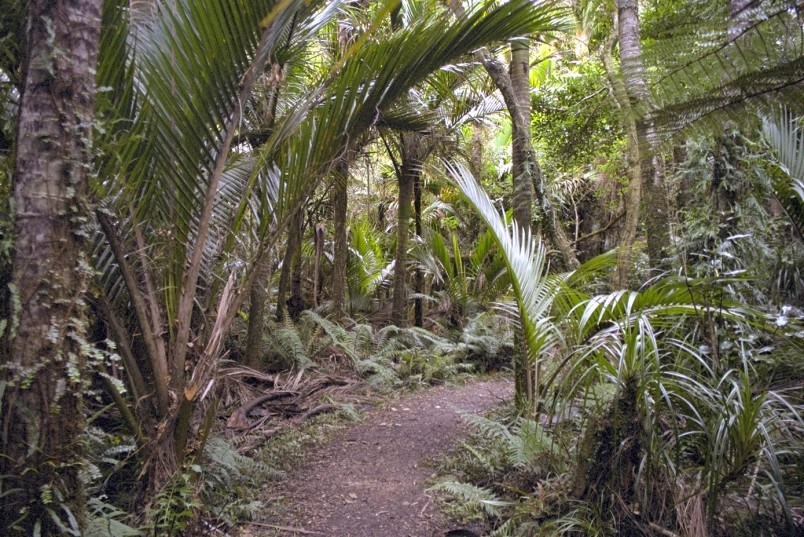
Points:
[(729, 64)]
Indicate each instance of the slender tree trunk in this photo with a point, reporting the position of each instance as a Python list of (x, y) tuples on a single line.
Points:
[(653, 194), (319, 236), (405, 180), (341, 246), (259, 295), (259, 290), (522, 163), (296, 303), (293, 243), (418, 303), (42, 416), (414, 150), (634, 194), (476, 158)]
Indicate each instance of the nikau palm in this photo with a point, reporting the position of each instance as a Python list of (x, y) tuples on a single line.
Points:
[(218, 154), (181, 192)]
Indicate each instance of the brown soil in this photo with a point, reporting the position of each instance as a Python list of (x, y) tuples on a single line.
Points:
[(369, 480)]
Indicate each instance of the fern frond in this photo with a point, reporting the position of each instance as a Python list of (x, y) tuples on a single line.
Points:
[(487, 427), (728, 65), (480, 497), (286, 341), (528, 443)]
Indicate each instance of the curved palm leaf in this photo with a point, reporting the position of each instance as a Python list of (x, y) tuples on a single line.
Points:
[(527, 267), (786, 135)]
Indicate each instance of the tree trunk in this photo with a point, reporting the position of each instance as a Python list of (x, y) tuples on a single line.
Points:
[(259, 290), (654, 197), (341, 246), (522, 169), (634, 195), (259, 295), (516, 95), (414, 150), (294, 243), (405, 179), (521, 148), (296, 303), (476, 157), (418, 303), (320, 234), (42, 416)]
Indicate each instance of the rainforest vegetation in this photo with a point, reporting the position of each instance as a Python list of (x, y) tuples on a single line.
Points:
[(211, 207)]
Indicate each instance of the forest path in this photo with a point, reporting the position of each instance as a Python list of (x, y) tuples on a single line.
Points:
[(369, 479)]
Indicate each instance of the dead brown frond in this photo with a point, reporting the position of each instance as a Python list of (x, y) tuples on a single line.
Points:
[(261, 405)]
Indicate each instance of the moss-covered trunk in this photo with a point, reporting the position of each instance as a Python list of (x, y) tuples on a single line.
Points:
[(44, 359)]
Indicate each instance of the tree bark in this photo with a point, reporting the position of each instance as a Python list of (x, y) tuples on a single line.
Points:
[(319, 234), (259, 289), (418, 303), (259, 295), (414, 150), (296, 303), (293, 243), (525, 166), (640, 105), (634, 194), (340, 246), (521, 149), (42, 416)]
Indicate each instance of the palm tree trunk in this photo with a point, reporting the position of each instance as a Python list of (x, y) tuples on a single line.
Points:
[(523, 191), (42, 414), (414, 150), (296, 303), (418, 303), (259, 289), (640, 101), (634, 195), (405, 180), (259, 295), (319, 236), (293, 243), (521, 148)]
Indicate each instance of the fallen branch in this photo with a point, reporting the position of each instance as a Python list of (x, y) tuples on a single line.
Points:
[(320, 409), (239, 418)]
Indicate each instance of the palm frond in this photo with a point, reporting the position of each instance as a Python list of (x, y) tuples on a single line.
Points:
[(526, 262), (786, 135)]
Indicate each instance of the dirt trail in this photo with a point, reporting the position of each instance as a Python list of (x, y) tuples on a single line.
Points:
[(369, 480)]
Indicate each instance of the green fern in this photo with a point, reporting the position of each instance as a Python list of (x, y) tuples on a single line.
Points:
[(105, 520), (474, 497), (286, 342), (487, 427), (227, 479), (529, 444)]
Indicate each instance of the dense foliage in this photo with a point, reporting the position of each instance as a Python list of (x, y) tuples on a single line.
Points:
[(319, 190)]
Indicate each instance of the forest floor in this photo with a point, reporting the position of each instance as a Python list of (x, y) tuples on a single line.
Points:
[(370, 479)]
